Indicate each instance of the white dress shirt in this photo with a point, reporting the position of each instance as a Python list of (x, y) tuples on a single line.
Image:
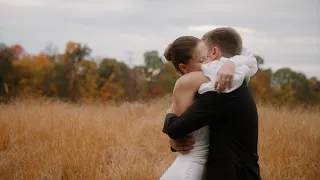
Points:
[(245, 67)]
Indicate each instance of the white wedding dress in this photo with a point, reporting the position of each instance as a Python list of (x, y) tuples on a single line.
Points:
[(192, 166)]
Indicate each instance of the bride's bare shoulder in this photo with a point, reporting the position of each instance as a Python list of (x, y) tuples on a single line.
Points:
[(191, 80)]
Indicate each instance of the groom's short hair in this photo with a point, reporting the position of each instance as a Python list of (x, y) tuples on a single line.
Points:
[(226, 38)]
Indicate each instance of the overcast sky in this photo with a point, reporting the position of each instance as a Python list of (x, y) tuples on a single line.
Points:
[(286, 33)]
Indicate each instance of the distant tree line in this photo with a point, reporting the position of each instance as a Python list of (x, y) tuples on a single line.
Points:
[(73, 76)]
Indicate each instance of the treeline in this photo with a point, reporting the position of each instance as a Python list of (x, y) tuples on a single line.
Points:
[(73, 76)]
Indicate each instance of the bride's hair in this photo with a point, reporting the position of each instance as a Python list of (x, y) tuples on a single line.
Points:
[(180, 50)]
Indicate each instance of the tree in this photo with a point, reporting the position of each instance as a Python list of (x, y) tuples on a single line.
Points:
[(51, 51), (314, 85), (111, 82), (152, 60), (108, 67), (3, 46), (285, 95), (154, 65), (58, 82), (28, 83), (5, 62), (74, 53), (44, 68), (88, 76), (140, 80), (8, 76), (260, 86), (298, 81), (17, 51), (6, 68), (110, 89), (167, 78), (33, 72), (127, 82)]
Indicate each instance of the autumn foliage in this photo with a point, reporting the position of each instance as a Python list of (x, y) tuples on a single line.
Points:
[(75, 76)]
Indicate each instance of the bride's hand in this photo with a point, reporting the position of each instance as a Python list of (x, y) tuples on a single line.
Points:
[(170, 110), (184, 146), (225, 76)]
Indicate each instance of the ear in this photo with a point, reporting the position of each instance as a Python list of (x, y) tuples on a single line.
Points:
[(215, 53), (183, 68)]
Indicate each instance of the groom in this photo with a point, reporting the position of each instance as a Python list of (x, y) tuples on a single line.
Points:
[(232, 118)]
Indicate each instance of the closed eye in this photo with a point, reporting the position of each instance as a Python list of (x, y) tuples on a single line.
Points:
[(203, 58)]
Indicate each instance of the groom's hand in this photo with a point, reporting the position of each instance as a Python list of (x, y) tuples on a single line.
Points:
[(225, 76), (184, 146)]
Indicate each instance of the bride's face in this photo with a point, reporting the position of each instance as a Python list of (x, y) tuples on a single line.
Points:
[(199, 57)]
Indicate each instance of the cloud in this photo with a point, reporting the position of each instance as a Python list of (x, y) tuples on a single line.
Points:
[(206, 28), (281, 31)]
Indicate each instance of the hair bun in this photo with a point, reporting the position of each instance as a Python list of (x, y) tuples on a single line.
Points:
[(167, 53)]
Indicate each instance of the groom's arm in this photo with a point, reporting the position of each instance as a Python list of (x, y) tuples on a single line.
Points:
[(202, 112), (182, 98)]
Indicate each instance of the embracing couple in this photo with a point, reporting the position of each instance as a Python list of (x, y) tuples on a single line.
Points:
[(213, 120)]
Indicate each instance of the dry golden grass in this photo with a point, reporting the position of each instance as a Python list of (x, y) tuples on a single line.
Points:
[(54, 140)]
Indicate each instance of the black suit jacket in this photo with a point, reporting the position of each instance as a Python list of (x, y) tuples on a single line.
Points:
[(233, 122)]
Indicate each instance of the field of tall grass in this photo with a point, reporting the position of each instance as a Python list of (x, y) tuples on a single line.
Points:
[(42, 139)]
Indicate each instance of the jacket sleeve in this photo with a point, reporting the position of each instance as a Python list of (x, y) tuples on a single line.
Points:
[(198, 115)]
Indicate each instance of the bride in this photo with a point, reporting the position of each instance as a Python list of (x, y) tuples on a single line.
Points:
[(189, 56)]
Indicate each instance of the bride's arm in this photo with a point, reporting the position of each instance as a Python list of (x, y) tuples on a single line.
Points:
[(183, 96), (184, 91), (187, 85), (246, 59), (227, 70)]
